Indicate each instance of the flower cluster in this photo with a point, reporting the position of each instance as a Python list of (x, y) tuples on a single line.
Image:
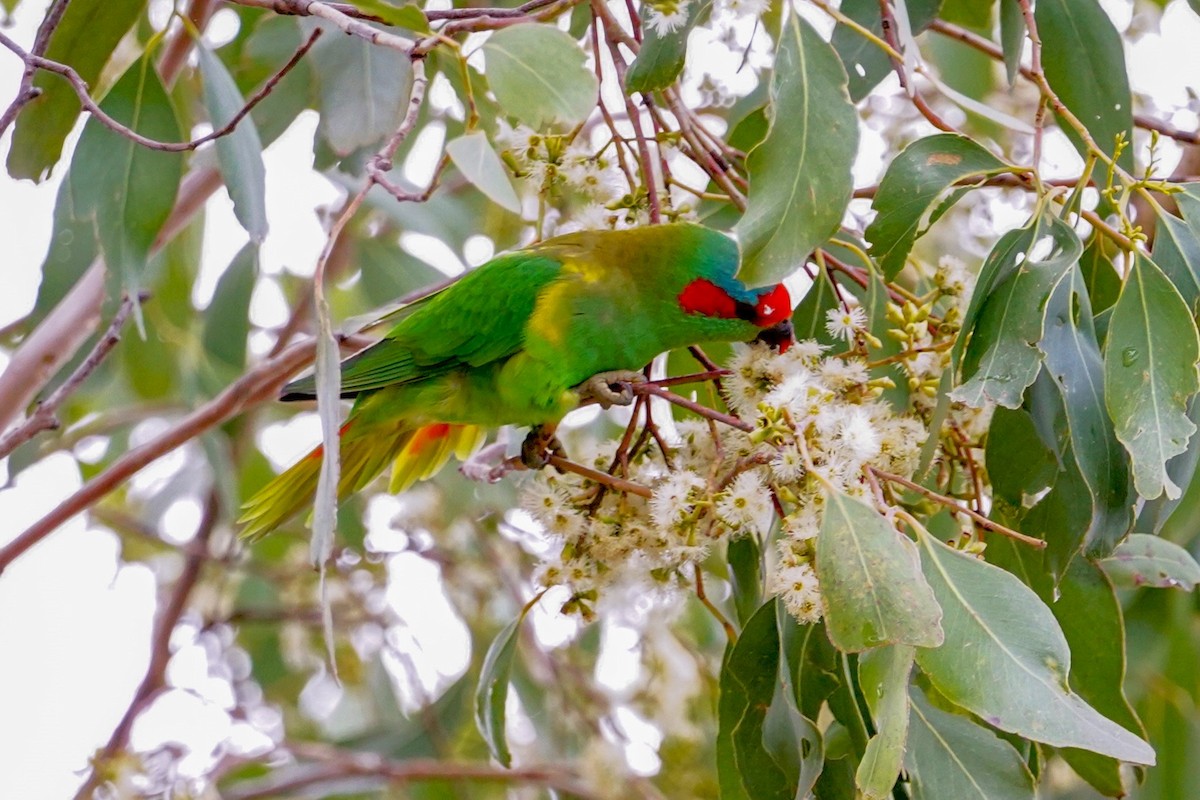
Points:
[(817, 425)]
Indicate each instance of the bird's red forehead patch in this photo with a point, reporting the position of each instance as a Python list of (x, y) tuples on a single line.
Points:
[(774, 306), (705, 297)]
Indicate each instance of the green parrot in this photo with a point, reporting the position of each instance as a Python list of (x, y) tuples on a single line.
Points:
[(522, 340)]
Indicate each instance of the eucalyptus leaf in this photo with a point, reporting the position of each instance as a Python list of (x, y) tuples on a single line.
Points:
[(662, 55), (872, 591), (1177, 254), (949, 756), (538, 75), (1145, 560), (808, 320), (1150, 375), (906, 203), (1084, 63), (1002, 358), (800, 181), (85, 38), (1006, 660), (404, 15), (866, 64), (227, 319), (125, 189), (492, 693), (883, 675), (1012, 37), (472, 153)]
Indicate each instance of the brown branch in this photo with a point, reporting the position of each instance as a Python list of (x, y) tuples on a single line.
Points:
[(84, 94), (41, 42), (694, 407), (336, 764), (45, 416), (256, 386), (951, 503), (154, 679)]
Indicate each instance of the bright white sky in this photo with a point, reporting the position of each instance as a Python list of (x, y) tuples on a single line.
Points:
[(74, 623)]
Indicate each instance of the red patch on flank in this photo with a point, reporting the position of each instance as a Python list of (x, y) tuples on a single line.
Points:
[(705, 297), (427, 434), (773, 307), (319, 449)]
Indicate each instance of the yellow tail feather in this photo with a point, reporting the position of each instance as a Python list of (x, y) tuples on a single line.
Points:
[(418, 454)]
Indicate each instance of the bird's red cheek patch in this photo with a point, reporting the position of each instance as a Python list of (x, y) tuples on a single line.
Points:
[(774, 306), (705, 297)]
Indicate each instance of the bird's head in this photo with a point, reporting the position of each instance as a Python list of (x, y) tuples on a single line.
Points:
[(770, 308)]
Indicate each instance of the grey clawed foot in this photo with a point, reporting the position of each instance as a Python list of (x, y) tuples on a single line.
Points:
[(610, 389), (539, 446)]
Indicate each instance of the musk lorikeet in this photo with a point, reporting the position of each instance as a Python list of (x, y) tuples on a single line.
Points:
[(520, 340)]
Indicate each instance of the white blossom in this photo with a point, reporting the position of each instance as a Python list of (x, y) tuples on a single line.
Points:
[(746, 505), (800, 590), (843, 323), (672, 499), (667, 16)]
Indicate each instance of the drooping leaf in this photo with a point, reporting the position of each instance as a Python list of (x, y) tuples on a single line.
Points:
[(1177, 254), (1012, 37), (492, 693), (865, 63), (746, 769), (1002, 358), (128, 190), (1074, 363), (1019, 463), (72, 248), (1099, 275), (1085, 66), (811, 663), (269, 45), (538, 75), (85, 38), (745, 574), (1144, 560), (1005, 658), (1090, 616), (800, 180), (808, 320), (793, 740), (906, 203), (227, 319), (472, 153), (240, 152), (872, 591), (362, 90), (951, 756), (1180, 469), (662, 55), (1150, 375), (883, 674)]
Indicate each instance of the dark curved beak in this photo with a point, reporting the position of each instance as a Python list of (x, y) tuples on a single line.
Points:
[(779, 336)]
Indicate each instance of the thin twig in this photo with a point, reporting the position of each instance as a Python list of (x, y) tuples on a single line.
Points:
[(45, 417), (694, 407), (41, 42), (950, 502), (84, 94)]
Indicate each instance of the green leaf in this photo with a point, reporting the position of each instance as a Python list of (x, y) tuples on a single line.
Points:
[(1084, 61), (240, 152), (85, 38), (662, 55), (1177, 254), (1149, 375), (871, 585), (1012, 38), (1002, 358), (1090, 616), (388, 272), (1073, 361), (745, 574), (747, 771), (72, 248), (1005, 658), (949, 756), (811, 663), (808, 320), (128, 190), (800, 180), (492, 692), (227, 319), (478, 162), (1144, 560), (906, 203), (1013, 440), (362, 90), (406, 15), (538, 75), (883, 674), (1100, 276), (865, 63)]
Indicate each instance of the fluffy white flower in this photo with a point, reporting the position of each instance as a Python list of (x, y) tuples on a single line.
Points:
[(746, 505), (800, 590), (843, 323), (801, 525), (672, 498), (592, 217), (843, 373), (858, 435), (792, 393), (668, 16), (745, 8), (788, 463)]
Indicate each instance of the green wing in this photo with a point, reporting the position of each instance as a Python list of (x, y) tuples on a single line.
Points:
[(479, 319)]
